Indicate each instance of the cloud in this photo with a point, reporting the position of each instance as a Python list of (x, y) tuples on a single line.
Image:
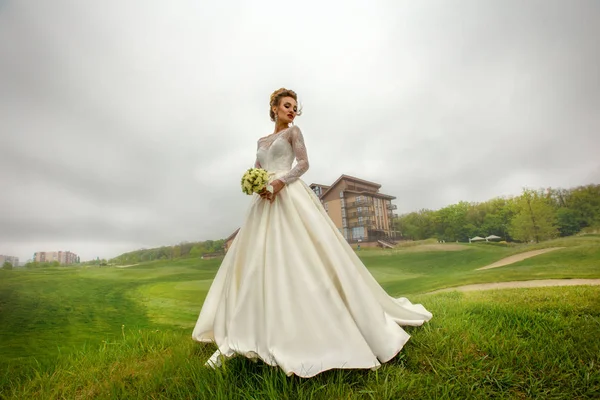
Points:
[(129, 124)]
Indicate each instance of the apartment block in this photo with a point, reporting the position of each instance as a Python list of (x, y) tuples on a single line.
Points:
[(358, 209), (13, 260), (63, 257)]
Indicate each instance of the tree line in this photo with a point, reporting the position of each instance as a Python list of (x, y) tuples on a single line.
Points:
[(535, 215), (182, 250)]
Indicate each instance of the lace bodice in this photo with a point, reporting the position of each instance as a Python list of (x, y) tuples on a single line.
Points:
[(276, 153)]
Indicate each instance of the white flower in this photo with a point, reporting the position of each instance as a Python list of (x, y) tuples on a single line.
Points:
[(254, 180)]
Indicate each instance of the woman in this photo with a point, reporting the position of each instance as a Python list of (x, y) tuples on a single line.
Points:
[(290, 290)]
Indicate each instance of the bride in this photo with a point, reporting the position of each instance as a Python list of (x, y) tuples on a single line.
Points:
[(290, 290)]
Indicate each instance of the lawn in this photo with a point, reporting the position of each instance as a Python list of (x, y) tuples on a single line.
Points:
[(125, 332)]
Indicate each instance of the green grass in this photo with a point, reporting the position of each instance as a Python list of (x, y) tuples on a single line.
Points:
[(440, 269), (125, 332)]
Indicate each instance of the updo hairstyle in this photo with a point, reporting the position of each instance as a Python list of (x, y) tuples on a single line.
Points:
[(276, 99)]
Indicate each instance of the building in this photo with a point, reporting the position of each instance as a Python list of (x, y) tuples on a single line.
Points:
[(359, 210), (229, 240), (319, 189), (63, 257), (209, 256), (14, 261)]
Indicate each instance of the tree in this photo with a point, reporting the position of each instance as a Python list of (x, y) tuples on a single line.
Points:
[(218, 245), (416, 225), (585, 201), (451, 222), (7, 265), (186, 247), (498, 215), (195, 251), (208, 246), (569, 221), (535, 218), (472, 230)]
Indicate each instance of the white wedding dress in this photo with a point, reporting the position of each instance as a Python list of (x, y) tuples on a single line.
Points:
[(291, 291)]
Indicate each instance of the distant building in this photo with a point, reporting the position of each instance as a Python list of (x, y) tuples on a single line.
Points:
[(14, 261), (359, 210), (63, 257), (229, 240), (208, 256), (319, 189)]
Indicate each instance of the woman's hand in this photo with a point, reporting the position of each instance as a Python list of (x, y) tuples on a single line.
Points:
[(263, 194), (277, 185)]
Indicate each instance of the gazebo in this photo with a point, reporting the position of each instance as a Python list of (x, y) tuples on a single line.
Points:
[(476, 239), (492, 237)]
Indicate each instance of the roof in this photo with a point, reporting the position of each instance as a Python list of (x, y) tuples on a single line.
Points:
[(372, 194), (232, 235), (318, 184), (350, 178)]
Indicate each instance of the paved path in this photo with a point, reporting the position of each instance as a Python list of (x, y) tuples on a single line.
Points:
[(520, 284), (518, 257)]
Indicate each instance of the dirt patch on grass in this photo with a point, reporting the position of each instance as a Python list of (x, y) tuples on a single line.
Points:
[(520, 284), (518, 257), (126, 266)]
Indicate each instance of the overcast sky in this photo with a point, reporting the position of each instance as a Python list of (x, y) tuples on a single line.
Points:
[(128, 124)]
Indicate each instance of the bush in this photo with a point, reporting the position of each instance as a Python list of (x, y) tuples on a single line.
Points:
[(590, 230), (36, 264)]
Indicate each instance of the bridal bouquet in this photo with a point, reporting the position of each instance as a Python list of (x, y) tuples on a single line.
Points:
[(255, 180)]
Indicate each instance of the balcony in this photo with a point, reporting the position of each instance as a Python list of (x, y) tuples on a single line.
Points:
[(392, 214), (392, 207), (359, 203), (363, 224), (365, 213)]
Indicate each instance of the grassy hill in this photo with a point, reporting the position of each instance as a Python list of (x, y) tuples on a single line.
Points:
[(125, 332)]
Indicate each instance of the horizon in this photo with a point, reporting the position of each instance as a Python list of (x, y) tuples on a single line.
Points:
[(148, 247)]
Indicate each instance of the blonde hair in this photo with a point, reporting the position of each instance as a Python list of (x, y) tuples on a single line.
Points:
[(276, 97)]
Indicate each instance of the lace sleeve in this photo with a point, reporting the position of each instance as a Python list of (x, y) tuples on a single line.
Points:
[(257, 163), (299, 148)]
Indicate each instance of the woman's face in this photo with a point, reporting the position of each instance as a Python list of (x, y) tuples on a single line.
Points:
[(286, 111)]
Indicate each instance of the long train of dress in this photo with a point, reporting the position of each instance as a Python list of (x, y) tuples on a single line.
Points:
[(292, 292)]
